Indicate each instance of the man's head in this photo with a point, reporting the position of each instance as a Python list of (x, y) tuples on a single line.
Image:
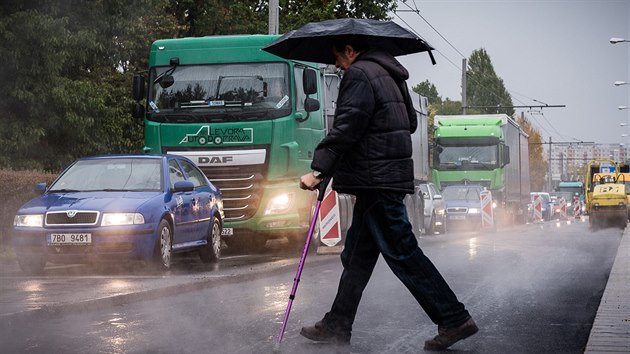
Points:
[(346, 49)]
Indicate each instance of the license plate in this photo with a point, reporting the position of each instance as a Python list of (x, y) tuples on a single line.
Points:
[(457, 217), (69, 239), (227, 231)]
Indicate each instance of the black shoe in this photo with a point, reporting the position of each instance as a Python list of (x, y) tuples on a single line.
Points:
[(449, 336), (319, 333)]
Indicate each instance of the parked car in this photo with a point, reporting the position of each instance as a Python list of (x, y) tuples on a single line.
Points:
[(463, 206), (546, 205), (123, 207), (434, 215)]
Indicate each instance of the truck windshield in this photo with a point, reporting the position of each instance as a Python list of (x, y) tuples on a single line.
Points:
[(219, 92), (467, 157)]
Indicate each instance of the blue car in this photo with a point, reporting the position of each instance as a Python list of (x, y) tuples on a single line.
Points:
[(122, 207), (462, 204)]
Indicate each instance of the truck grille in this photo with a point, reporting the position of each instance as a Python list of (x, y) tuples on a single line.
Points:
[(71, 218), (241, 189)]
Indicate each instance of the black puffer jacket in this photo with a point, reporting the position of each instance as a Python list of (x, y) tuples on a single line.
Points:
[(369, 145)]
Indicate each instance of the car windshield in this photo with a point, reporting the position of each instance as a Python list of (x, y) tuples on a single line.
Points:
[(219, 92), (461, 193), (111, 174)]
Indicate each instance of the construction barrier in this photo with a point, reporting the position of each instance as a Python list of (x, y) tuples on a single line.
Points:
[(487, 217), (563, 208), (538, 217)]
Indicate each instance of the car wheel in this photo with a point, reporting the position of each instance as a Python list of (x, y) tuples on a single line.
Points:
[(31, 265), (211, 252), (163, 252)]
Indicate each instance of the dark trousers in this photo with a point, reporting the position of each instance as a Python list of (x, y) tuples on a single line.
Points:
[(380, 226)]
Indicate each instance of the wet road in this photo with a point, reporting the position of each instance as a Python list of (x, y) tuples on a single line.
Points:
[(531, 289)]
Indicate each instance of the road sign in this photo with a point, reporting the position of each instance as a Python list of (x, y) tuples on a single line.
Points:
[(329, 229)]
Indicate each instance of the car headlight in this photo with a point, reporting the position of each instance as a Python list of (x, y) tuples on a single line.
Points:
[(473, 210), (440, 212), (279, 204), (32, 220), (113, 219)]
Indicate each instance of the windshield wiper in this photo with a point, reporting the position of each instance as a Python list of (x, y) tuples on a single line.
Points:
[(63, 190)]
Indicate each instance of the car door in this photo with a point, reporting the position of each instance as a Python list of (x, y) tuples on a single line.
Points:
[(183, 206), (201, 202)]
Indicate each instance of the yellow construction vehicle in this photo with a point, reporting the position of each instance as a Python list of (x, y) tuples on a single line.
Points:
[(608, 203)]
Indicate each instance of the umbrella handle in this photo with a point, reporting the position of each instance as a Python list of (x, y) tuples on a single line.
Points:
[(321, 188)]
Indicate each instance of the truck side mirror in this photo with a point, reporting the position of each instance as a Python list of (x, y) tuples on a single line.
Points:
[(138, 87), (506, 155), (137, 111), (309, 81), (311, 104)]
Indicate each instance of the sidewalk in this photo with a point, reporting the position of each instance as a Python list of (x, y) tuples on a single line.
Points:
[(611, 329)]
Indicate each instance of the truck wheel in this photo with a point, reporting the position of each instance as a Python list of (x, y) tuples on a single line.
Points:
[(163, 253), (211, 252)]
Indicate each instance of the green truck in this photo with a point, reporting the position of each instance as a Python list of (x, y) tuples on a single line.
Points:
[(489, 150), (250, 120)]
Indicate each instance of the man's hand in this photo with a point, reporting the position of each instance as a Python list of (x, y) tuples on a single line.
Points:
[(309, 181)]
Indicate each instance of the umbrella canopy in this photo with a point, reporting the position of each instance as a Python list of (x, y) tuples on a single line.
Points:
[(314, 41)]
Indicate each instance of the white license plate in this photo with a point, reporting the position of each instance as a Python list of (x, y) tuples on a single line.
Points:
[(457, 217), (227, 231), (69, 239)]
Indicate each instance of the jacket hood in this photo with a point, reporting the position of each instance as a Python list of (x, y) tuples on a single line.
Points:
[(388, 62)]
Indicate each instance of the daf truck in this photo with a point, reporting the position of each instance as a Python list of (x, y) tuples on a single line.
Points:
[(490, 150), (249, 119)]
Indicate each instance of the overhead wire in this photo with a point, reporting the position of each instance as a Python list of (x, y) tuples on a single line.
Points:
[(458, 67)]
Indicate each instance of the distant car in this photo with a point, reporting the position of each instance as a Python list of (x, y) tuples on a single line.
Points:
[(123, 207), (546, 205), (463, 206), (434, 213)]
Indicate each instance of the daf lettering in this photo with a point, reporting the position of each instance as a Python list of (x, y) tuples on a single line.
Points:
[(214, 159)]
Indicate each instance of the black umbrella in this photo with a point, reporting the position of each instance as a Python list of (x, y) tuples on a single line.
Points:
[(313, 41)]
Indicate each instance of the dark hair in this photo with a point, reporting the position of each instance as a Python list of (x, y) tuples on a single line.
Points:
[(358, 43)]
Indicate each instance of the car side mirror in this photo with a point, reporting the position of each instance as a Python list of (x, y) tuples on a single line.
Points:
[(40, 188), (437, 196), (183, 186)]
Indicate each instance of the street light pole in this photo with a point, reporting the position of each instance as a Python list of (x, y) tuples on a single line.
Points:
[(619, 83)]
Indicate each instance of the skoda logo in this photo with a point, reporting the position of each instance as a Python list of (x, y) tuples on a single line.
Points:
[(71, 213)]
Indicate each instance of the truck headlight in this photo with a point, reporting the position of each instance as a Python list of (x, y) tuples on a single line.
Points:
[(115, 219), (473, 210), (279, 204), (32, 220)]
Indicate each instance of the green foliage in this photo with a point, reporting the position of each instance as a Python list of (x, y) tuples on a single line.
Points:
[(428, 90), (484, 87), (537, 164)]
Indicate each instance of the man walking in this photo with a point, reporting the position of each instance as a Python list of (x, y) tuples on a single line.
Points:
[(368, 154)]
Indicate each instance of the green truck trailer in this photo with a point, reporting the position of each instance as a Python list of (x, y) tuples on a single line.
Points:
[(250, 120), (490, 150)]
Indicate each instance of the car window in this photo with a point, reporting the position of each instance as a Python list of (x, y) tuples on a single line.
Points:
[(175, 172), (194, 175), (432, 189)]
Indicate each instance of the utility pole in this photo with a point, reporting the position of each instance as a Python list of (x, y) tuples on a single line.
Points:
[(274, 16), (549, 162), (464, 85)]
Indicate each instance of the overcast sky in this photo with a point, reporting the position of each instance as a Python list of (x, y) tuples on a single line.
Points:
[(556, 52)]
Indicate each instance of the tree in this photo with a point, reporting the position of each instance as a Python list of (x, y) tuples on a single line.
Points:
[(484, 87), (428, 90), (537, 164)]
